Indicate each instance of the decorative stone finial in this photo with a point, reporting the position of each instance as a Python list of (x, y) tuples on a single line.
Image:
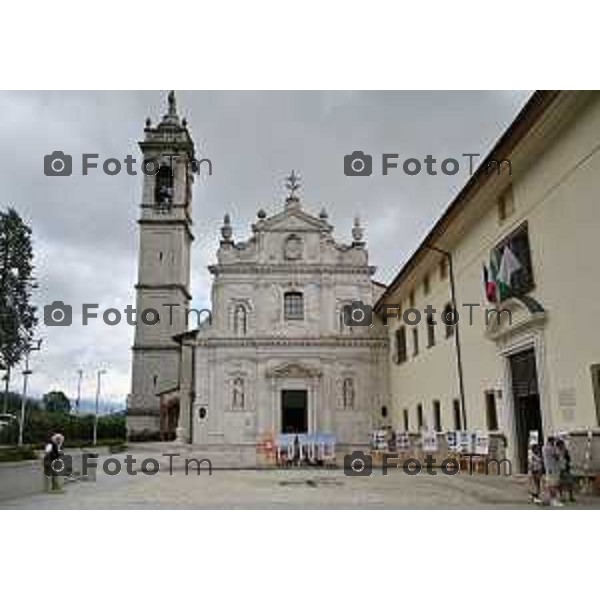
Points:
[(226, 230), (261, 214), (148, 122), (323, 215), (293, 185), (357, 233), (171, 118)]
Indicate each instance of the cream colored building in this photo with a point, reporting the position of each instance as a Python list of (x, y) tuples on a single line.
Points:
[(540, 369)]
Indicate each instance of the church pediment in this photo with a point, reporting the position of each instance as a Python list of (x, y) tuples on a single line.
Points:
[(293, 371), (294, 219)]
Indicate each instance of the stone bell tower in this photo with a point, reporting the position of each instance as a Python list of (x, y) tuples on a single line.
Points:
[(165, 239)]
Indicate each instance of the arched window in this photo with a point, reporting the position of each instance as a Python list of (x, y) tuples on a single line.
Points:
[(240, 320), (163, 188), (293, 306), (238, 394), (348, 393)]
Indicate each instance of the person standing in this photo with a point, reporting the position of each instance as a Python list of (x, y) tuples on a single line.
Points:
[(52, 454), (552, 470), (536, 470), (566, 483)]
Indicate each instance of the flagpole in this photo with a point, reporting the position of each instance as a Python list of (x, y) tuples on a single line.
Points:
[(459, 365)]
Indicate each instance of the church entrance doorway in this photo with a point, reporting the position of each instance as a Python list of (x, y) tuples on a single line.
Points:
[(294, 411), (528, 414)]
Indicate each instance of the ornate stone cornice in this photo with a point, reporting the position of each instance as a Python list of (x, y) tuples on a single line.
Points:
[(322, 342), (292, 269), (164, 286), (186, 223)]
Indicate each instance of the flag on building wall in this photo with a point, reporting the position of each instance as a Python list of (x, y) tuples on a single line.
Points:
[(508, 265), (490, 277), (489, 285)]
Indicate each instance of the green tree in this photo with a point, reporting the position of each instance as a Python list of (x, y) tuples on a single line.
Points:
[(17, 315), (56, 401)]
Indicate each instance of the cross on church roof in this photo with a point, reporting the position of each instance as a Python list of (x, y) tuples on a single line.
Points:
[(292, 183)]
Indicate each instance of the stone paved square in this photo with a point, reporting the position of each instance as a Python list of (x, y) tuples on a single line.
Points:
[(289, 489)]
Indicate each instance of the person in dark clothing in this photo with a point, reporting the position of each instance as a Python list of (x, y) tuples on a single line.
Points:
[(566, 479), (52, 453)]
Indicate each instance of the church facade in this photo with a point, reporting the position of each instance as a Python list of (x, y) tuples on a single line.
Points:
[(278, 356), (280, 352)]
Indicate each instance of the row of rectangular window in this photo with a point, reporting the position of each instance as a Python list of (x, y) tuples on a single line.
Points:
[(401, 343), (443, 271), (490, 407)]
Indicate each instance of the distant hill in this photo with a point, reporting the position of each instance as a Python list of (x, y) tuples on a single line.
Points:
[(104, 408)]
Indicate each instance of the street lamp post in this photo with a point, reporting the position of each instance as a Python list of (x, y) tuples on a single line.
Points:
[(26, 373), (95, 437), (78, 401), (6, 379), (459, 365)]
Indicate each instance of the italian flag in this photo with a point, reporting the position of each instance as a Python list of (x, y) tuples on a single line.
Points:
[(490, 278)]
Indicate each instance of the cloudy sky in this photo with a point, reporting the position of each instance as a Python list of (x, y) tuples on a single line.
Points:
[(85, 235)]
